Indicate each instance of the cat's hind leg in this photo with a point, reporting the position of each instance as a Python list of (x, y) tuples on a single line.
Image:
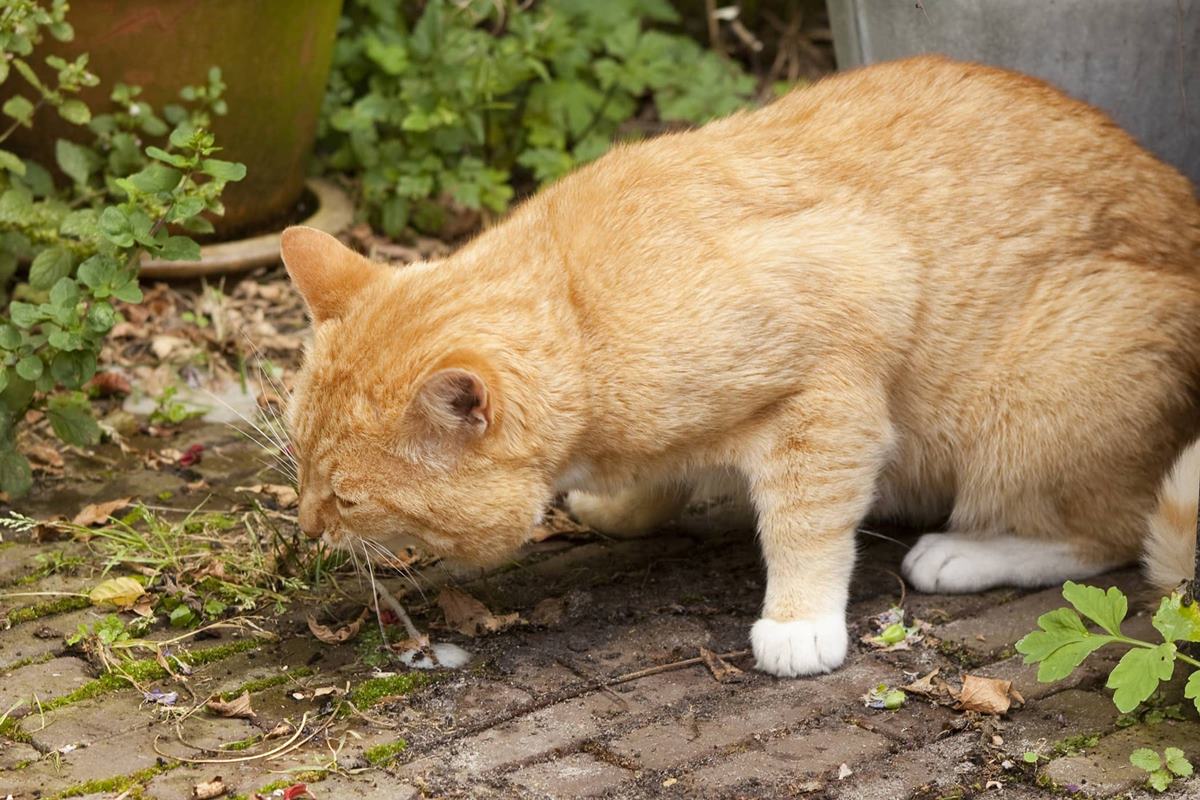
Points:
[(634, 511), (972, 562)]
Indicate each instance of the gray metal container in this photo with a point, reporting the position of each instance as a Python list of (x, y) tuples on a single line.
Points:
[(1139, 60)]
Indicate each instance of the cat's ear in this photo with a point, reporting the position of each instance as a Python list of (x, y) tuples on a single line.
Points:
[(328, 275), (454, 401)]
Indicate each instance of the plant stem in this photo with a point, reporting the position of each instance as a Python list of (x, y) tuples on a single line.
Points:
[(36, 107)]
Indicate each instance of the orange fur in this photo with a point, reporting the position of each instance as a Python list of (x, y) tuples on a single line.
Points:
[(925, 288)]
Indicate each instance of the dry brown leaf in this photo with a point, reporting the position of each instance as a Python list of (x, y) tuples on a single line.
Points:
[(929, 685), (237, 708), (722, 670), (336, 636), (284, 496), (985, 695), (209, 789), (44, 458), (109, 383), (470, 617), (96, 513)]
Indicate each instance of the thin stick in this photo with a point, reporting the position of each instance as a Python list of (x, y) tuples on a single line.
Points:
[(269, 753)]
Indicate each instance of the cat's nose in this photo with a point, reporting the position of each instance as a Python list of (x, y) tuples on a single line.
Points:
[(311, 522)]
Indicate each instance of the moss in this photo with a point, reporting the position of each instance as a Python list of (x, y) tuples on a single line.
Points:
[(10, 729), (1075, 745), (374, 691), (26, 662), (263, 684), (382, 754), (133, 783), (960, 654), (59, 605), (147, 670)]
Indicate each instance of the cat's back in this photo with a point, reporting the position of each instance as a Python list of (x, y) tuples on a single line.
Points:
[(942, 140)]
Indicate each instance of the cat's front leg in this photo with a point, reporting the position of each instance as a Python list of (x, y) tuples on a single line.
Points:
[(812, 485)]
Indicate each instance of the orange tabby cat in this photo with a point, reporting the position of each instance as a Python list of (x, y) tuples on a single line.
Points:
[(925, 289)]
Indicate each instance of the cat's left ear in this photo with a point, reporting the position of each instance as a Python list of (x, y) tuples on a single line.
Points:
[(328, 275), (454, 401)]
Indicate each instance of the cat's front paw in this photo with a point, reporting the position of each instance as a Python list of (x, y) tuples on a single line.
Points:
[(799, 647)]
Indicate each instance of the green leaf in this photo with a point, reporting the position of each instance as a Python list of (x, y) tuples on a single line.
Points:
[(1060, 645), (1106, 609), (114, 224), (73, 368), (1192, 689), (10, 339), (1030, 757), (1176, 621), (24, 315), (49, 266), (75, 112), (76, 162), (1063, 661), (223, 170), (1177, 762), (1146, 759), (182, 616), (1138, 674), (72, 420), (156, 177), (175, 160), (98, 270), (11, 162), (30, 368), (15, 474), (65, 293), (1160, 780), (19, 109), (101, 317), (128, 292), (179, 248)]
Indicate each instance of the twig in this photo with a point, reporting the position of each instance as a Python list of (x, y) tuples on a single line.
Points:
[(270, 753)]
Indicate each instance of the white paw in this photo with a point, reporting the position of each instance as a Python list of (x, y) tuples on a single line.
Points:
[(947, 562), (799, 647)]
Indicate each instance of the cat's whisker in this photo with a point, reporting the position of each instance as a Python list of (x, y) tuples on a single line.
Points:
[(390, 559), (266, 441), (885, 537)]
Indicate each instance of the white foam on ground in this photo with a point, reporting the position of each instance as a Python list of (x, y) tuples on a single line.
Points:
[(449, 656)]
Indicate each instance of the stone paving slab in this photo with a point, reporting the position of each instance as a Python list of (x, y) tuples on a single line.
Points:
[(521, 722)]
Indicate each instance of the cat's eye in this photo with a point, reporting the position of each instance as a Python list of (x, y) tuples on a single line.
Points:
[(343, 504)]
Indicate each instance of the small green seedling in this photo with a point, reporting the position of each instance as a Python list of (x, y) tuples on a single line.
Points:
[(1030, 757), (1063, 641), (1163, 769)]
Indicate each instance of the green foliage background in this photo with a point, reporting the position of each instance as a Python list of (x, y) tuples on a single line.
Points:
[(461, 104)]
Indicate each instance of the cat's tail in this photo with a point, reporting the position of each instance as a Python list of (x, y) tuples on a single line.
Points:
[(1169, 552)]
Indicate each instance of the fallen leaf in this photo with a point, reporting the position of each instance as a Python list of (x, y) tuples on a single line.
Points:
[(470, 617), (95, 513), (238, 708), (209, 789), (331, 636), (284, 496), (123, 592), (985, 695), (282, 729), (296, 790), (192, 456), (109, 383), (144, 607), (723, 671), (44, 458), (929, 685)]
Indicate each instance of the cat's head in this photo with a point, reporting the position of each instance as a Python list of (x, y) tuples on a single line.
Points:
[(406, 427)]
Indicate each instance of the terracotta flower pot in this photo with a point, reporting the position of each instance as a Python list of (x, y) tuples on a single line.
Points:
[(274, 56)]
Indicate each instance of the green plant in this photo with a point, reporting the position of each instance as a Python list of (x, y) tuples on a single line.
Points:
[(1163, 769), (443, 104), (1063, 641), (142, 186), (169, 411)]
